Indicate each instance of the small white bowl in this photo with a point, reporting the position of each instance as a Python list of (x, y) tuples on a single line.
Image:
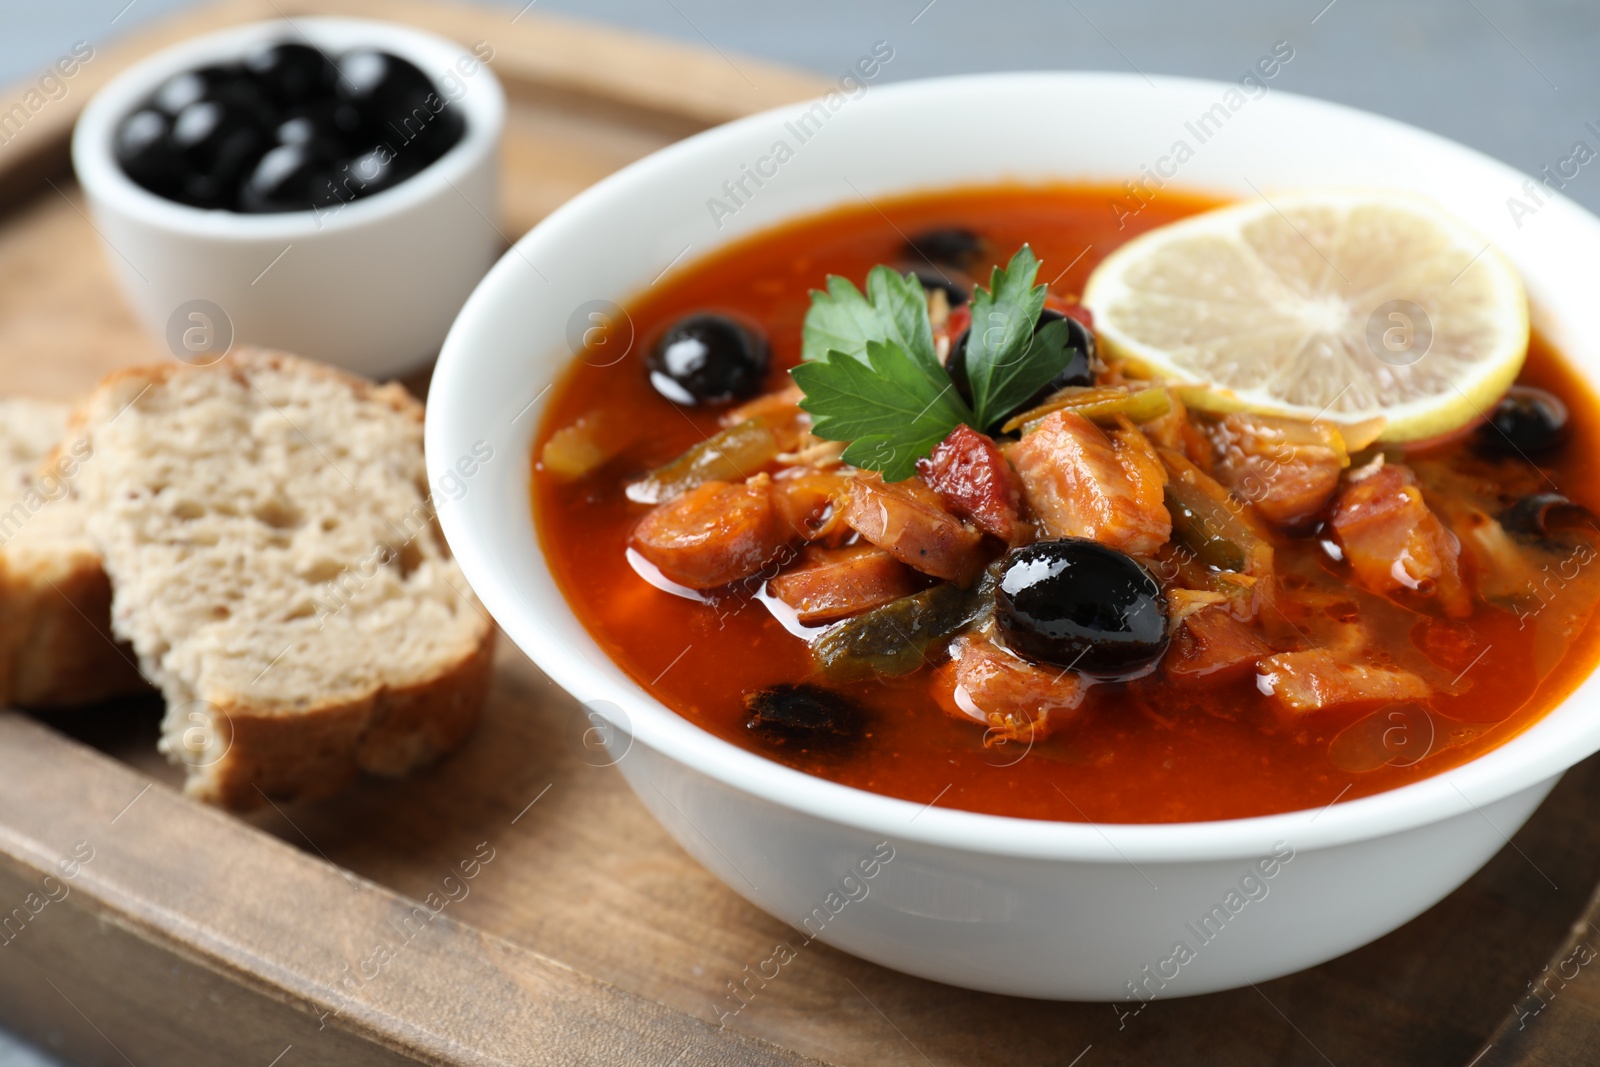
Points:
[(1044, 909), (371, 285)]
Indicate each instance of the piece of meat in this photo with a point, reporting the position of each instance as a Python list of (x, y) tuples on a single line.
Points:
[(1017, 700), (908, 520), (714, 534), (1287, 468), (973, 480), (1394, 541), (1311, 680), (1211, 643), (1083, 482), (811, 502), (835, 583)]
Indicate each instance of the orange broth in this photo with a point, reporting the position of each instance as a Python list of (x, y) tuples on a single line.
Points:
[(1150, 750)]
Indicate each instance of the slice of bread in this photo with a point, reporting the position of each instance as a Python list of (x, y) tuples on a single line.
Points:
[(267, 527), (56, 648)]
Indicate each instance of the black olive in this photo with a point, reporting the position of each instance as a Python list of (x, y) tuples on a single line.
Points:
[(281, 179), (1080, 604), (375, 171), (199, 128), (948, 245), (367, 77), (217, 149), (332, 121), (380, 85), (1535, 516), (325, 188), (708, 359), (181, 90), (143, 151), (429, 131), (246, 100), (298, 130), (1078, 371), (292, 73), (1527, 421), (320, 145), (399, 105), (210, 137), (803, 716)]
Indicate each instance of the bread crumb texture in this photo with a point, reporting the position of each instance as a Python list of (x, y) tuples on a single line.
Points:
[(277, 569)]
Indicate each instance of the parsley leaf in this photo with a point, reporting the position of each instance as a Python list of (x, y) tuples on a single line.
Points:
[(871, 376), (1006, 361), (895, 309), (883, 402)]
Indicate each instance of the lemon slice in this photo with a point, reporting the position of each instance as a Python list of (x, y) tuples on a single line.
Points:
[(1335, 304)]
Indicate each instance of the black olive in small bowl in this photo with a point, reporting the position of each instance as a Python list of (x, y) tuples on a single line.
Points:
[(287, 128), (220, 170), (1078, 604), (708, 359), (292, 72)]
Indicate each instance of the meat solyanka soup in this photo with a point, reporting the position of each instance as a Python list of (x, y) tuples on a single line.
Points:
[(969, 554)]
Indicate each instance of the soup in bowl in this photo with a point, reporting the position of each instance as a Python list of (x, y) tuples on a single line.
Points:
[(942, 623)]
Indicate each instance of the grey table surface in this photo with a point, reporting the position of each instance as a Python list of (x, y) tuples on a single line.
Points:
[(1517, 79)]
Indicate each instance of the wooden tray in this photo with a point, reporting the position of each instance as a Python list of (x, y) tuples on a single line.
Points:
[(193, 937)]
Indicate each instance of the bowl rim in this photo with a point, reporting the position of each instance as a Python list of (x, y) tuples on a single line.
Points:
[(1520, 764), (104, 180)]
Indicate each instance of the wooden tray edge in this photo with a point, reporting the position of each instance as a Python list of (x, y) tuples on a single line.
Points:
[(252, 908)]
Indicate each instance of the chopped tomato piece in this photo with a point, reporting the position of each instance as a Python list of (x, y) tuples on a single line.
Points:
[(1394, 541), (973, 480), (714, 534), (1081, 313), (1287, 468), (1014, 698), (908, 520), (835, 583), (1083, 482), (1212, 643), (957, 322), (1308, 681)]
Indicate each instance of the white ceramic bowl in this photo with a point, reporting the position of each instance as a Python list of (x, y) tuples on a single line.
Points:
[(1060, 910), (371, 285)]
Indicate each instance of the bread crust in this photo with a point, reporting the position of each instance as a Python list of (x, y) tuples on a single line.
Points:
[(258, 753), (316, 753), (56, 648)]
